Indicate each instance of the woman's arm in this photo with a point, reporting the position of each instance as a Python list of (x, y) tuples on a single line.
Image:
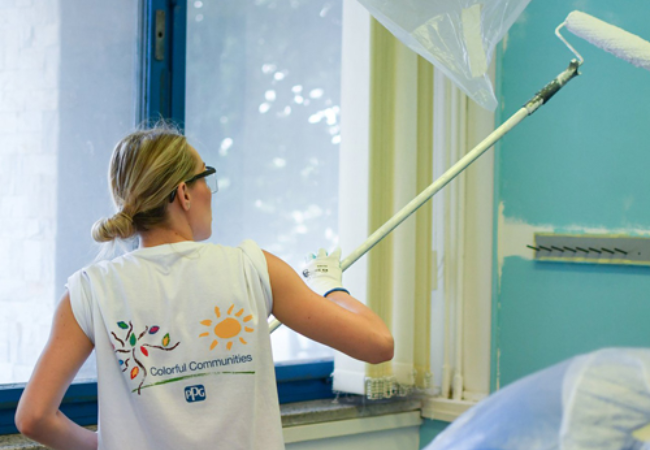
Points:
[(339, 321), (38, 416)]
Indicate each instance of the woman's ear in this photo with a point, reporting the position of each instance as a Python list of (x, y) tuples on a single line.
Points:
[(184, 196)]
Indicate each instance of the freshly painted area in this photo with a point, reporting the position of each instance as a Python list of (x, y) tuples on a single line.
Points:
[(577, 166), (552, 311), (514, 235), (579, 159)]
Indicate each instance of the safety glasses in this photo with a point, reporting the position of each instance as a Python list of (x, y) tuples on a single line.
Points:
[(210, 176)]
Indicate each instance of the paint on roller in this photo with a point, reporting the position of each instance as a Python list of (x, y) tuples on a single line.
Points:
[(471, 18), (620, 43)]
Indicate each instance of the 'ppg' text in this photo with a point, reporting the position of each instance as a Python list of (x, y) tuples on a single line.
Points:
[(195, 393)]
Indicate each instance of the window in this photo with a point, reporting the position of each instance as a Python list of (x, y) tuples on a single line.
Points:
[(70, 89), (262, 106)]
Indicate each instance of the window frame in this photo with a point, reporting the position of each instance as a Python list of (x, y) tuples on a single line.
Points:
[(162, 84), (296, 381), (162, 96)]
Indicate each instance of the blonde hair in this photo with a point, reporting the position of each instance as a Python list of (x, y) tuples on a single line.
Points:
[(146, 166)]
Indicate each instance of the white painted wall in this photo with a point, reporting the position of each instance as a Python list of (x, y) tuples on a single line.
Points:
[(29, 95)]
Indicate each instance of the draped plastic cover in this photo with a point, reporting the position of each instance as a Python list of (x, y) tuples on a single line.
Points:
[(456, 36), (598, 401)]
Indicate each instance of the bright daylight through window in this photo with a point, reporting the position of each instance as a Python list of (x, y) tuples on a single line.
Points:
[(262, 107)]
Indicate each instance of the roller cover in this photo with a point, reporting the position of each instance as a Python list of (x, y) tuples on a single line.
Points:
[(617, 41)]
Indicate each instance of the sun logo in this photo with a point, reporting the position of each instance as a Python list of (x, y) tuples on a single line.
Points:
[(228, 328)]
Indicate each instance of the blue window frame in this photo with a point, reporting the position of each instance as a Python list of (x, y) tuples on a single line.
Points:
[(162, 95), (297, 382), (164, 33), (303, 381)]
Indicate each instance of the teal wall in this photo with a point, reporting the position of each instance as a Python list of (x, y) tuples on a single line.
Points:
[(582, 161), (429, 430)]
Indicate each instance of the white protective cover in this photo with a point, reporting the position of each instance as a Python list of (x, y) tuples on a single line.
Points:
[(597, 401), (457, 36)]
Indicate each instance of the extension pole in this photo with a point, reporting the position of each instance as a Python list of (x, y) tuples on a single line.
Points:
[(529, 108)]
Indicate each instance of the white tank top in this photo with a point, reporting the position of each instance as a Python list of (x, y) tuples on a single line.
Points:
[(183, 348)]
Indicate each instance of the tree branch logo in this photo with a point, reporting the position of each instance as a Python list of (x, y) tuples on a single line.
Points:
[(133, 347), (228, 328)]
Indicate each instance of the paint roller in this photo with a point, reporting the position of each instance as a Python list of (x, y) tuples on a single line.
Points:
[(621, 43)]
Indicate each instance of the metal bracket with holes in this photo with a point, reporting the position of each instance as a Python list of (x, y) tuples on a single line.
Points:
[(593, 249)]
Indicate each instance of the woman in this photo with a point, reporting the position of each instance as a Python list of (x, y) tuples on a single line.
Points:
[(180, 328)]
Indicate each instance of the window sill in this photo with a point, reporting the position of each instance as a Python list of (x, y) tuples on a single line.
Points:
[(343, 408), (446, 410), (298, 419), (346, 416)]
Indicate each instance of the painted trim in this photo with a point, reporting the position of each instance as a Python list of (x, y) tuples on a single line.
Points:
[(353, 226), (304, 381), (339, 428), (163, 84), (444, 409), (178, 63)]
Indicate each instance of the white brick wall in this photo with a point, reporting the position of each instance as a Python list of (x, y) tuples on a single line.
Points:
[(29, 64)]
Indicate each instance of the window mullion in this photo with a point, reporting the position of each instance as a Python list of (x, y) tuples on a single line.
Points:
[(163, 61)]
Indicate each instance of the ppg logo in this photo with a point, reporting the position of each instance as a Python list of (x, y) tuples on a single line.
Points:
[(195, 393)]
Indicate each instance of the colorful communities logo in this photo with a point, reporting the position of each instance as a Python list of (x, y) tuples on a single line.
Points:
[(132, 349), (228, 328)]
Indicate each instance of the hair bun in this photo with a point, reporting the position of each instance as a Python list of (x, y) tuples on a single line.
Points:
[(120, 226), (123, 215)]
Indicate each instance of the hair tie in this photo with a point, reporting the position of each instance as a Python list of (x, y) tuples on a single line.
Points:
[(124, 215)]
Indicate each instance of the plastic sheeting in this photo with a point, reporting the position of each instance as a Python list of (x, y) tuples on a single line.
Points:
[(598, 401), (456, 36)]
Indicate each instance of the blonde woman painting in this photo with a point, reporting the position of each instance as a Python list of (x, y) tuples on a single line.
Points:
[(179, 327)]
